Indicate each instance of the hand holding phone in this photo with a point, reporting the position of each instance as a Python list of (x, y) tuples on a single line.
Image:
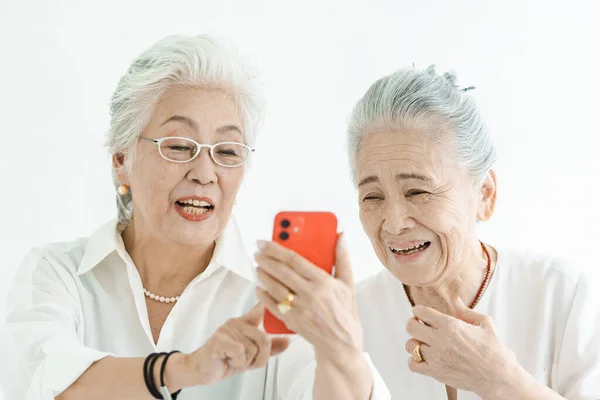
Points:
[(313, 236)]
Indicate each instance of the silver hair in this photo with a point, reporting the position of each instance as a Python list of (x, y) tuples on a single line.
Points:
[(177, 61), (411, 96)]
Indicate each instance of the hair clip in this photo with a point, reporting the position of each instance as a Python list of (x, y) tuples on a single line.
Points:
[(468, 88)]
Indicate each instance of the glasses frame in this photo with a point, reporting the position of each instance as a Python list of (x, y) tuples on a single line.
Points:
[(200, 146)]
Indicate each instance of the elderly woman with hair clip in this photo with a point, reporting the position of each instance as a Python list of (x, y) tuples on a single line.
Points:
[(483, 321), (163, 298)]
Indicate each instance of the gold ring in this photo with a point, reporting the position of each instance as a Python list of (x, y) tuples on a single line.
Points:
[(286, 305), (417, 353)]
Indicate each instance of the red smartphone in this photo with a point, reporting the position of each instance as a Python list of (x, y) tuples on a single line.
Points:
[(311, 234)]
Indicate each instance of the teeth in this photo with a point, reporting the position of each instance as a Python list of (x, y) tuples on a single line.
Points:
[(195, 202), (409, 250), (195, 210)]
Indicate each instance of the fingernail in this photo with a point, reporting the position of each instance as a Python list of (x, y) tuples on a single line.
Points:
[(261, 244), (256, 254)]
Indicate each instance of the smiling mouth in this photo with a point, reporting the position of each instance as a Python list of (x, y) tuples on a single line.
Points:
[(411, 250), (193, 206)]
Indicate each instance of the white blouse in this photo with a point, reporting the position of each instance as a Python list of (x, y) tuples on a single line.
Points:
[(75, 303), (546, 312)]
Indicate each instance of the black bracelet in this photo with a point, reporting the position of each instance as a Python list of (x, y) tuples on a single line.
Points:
[(162, 373), (145, 372), (149, 374)]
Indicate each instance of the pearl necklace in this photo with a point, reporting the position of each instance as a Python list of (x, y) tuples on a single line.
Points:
[(158, 298)]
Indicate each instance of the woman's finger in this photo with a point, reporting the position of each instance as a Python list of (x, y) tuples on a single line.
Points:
[(261, 341), (411, 344), (419, 368), (269, 303), (239, 333), (432, 317), (343, 267), (303, 267), (233, 351), (277, 290), (283, 274), (419, 331), (279, 345)]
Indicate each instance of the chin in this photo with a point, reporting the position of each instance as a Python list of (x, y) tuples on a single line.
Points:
[(412, 271), (194, 233)]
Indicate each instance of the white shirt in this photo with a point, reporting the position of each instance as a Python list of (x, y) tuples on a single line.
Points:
[(546, 312), (75, 303)]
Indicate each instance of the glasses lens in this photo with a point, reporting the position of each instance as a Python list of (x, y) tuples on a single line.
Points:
[(178, 149), (230, 154)]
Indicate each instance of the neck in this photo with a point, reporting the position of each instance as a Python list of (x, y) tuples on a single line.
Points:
[(462, 279), (165, 268)]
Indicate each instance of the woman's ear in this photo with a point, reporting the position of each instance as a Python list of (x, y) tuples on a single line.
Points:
[(487, 197), (118, 164)]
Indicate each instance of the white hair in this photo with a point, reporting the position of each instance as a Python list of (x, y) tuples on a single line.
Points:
[(177, 61), (408, 96)]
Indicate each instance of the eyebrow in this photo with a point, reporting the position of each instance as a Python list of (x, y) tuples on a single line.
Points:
[(181, 118), (193, 125), (229, 128), (403, 176)]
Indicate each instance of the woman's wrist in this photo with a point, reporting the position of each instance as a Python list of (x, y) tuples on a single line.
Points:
[(516, 383), (338, 356), (346, 362), (349, 370), (179, 374)]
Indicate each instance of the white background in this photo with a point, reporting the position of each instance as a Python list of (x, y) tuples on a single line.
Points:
[(535, 65)]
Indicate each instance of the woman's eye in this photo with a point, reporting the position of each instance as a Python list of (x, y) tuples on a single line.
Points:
[(372, 198), (179, 148), (416, 192)]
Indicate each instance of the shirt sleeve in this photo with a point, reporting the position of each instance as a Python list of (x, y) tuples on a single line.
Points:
[(578, 369), (295, 372), (41, 332)]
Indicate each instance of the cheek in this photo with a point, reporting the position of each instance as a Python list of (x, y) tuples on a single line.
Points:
[(370, 219), (230, 182), (444, 216), (153, 178)]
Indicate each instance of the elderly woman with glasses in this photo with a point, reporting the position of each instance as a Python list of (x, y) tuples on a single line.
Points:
[(450, 316), (163, 299)]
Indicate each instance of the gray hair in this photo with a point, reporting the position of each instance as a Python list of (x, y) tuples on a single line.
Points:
[(408, 96), (177, 61)]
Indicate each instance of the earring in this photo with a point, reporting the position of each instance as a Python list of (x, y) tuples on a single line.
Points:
[(123, 190)]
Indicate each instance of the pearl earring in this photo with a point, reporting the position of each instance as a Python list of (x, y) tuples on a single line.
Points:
[(123, 190)]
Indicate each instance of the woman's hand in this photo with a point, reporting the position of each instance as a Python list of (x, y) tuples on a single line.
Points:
[(237, 346), (324, 306), (463, 351)]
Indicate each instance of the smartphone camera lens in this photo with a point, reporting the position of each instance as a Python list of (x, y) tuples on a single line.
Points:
[(285, 223), (284, 236)]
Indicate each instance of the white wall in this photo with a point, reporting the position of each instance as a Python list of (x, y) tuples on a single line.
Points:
[(535, 65)]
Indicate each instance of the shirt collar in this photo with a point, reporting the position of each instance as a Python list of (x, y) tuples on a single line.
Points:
[(229, 251), (100, 244)]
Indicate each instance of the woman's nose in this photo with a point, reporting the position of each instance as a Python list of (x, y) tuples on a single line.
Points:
[(397, 219), (203, 168)]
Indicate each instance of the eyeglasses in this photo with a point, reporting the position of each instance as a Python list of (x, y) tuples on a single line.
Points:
[(181, 150)]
